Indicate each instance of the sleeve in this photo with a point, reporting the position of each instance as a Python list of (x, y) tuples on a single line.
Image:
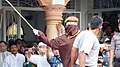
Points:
[(87, 45), (113, 43), (33, 59), (43, 38), (23, 58), (58, 42), (76, 42), (54, 43)]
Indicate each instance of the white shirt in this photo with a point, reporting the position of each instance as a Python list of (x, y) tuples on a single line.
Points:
[(14, 61), (3, 55), (40, 61), (87, 41)]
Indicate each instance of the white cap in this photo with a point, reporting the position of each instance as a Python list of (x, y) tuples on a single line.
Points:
[(42, 44)]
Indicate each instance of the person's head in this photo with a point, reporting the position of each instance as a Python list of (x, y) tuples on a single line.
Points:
[(71, 20), (108, 30), (22, 48), (56, 52), (106, 47), (13, 48), (42, 48), (18, 43), (96, 23), (23, 42), (71, 25), (35, 46), (3, 46), (26, 52)]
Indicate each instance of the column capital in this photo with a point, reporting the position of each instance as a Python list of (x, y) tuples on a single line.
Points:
[(53, 13)]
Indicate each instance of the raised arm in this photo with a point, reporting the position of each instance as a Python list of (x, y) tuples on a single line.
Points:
[(41, 36), (53, 43)]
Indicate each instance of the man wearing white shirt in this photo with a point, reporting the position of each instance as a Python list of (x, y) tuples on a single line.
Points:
[(87, 44), (41, 59), (3, 52), (15, 59)]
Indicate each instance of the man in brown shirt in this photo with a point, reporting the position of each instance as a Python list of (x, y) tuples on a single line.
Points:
[(64, 42)]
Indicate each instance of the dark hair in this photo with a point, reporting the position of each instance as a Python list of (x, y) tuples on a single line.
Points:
[(95, 22), (12, 43), (3, 42), (18, 40)]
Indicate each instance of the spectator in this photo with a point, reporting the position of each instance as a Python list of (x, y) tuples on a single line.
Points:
[(27, 63), (3, 52), (14, 59), (107, 34), (115, 48), (55, 61), (35, 49), (18, 43), (22, 48), (23, 42), (41, 59)]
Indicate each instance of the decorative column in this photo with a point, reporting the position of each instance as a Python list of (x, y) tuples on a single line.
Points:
[(53, 20), (53, 12)]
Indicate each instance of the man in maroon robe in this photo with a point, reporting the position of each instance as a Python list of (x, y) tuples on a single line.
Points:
[(64, 42)]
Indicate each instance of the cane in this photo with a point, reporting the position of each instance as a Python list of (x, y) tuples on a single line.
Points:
[(19, 14)]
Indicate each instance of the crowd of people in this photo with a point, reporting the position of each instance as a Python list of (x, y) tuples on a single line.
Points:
[(18, 55), (75, 48)]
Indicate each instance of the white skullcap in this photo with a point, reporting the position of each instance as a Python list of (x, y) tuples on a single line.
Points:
[(42, 44)]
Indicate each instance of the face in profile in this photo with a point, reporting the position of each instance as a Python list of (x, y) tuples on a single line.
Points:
[(3, 47)]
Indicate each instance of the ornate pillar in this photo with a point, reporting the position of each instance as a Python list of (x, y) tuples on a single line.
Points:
[(53, 12), (53, 20)]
